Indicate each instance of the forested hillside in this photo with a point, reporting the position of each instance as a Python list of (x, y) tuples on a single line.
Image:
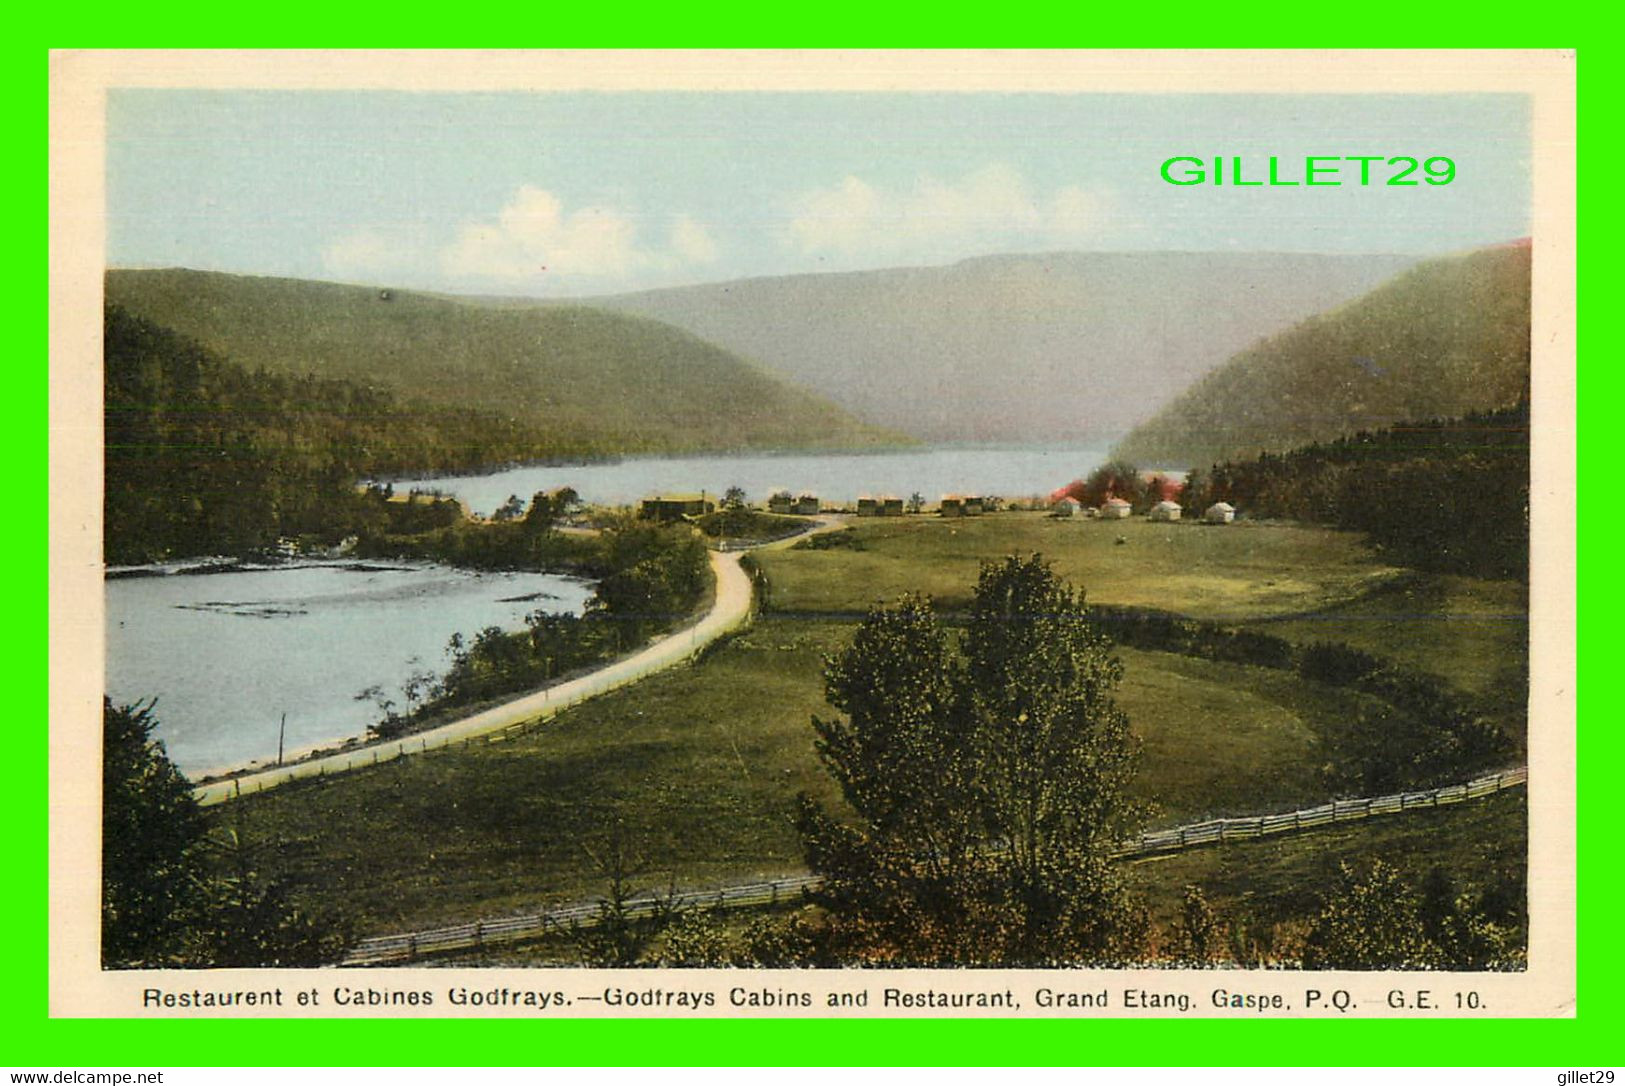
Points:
[(1448, 337), (580, 382), (204, 456)]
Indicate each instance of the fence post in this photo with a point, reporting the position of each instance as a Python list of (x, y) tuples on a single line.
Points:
[(412, 948), (479, 933)]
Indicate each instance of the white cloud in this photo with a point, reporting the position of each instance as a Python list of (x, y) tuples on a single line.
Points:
[(535, 237), (691, 242), (990, 208), (533, 240)]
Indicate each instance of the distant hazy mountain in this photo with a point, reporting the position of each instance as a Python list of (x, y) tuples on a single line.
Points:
[(1013, 347), (592, 381), (1447, 337)]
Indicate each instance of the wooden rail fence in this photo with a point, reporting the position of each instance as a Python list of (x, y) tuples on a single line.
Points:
[(382, 949)]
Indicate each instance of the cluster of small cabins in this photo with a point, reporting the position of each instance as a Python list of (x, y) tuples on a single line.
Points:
[(1118, 509), (683, 506)]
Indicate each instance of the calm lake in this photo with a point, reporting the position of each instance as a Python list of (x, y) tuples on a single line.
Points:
[(228, 653), (931, 472)]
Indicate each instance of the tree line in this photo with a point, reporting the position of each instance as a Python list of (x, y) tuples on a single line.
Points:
[(650, 577), (1449, 495)]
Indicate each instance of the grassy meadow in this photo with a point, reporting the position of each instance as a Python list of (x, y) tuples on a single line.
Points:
[(1473, 632), (699, 767), (1234, 573)]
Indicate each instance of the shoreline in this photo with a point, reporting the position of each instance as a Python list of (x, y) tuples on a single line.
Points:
[(732, 608)]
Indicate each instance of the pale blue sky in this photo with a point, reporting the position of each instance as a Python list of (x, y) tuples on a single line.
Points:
[(559, 194)]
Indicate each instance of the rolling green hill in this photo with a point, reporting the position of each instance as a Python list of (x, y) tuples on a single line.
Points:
[(591, 382), (1446, 338)]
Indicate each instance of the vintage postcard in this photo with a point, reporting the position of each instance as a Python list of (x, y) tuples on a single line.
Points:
[(813, 534)]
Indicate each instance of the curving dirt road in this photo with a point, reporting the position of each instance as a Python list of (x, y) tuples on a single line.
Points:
[(731, 610)]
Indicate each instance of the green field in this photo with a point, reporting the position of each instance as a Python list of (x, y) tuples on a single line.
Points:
[(1235, 572), (1472, 632), (700, 766)]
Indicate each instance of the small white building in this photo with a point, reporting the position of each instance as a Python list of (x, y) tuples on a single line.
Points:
[(1166, 510), (1115, 509), (1220, 513), (1066, 507)]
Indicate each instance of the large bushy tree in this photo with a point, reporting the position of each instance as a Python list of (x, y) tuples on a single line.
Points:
[(1375, 920), (172, 893), (152, 829), (988, 778)]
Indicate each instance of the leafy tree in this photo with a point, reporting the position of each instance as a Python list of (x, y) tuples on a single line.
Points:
[(916, 502), (771, 943), (512, 509), (988, 780), (1198, 492), (1198, 928), (1377, 921), (1054, 756), (1115, 479), (733, 498), (622, 933), (172, 897), (695, 939), (1370, 921), (548, 508), (251, 922), (1458, 924), (152, 875)]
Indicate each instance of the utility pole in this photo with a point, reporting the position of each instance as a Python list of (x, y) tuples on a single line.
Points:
[(281, 732)]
